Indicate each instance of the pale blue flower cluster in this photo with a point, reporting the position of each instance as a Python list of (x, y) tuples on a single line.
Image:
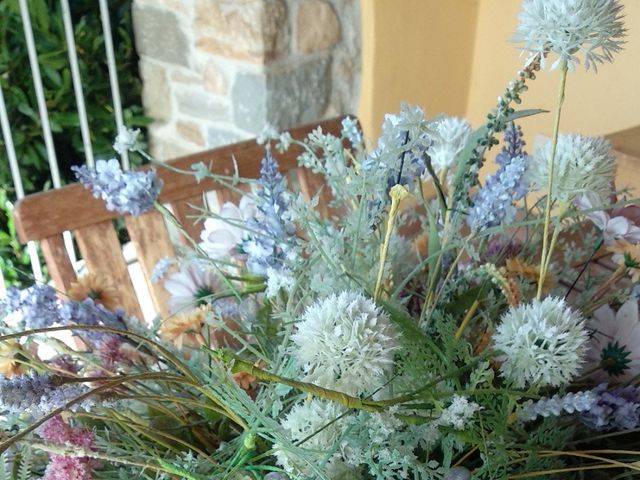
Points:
[(39, 307), (160, 269), (558, 404), (351, 131), (400, 154), (599, 408), (269, 244), (130, 192), (493, 205), (38, 394)]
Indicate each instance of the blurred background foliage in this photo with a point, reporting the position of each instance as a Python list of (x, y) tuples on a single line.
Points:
[(17, 85)]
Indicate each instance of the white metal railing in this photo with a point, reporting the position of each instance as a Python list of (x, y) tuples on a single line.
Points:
[(44, 114)]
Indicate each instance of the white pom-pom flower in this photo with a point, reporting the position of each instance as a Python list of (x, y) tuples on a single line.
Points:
[(593, 28), (542, 343), (318, 424), (449, 136), (581, 165), (346, 343)]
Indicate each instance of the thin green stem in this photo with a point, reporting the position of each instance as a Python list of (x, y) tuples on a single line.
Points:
[(551, 165)]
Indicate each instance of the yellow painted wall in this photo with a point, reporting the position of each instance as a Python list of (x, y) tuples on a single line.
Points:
[(454, 56), (595, 104), (416, 51)]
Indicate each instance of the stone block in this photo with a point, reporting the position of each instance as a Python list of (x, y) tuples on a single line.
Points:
[(186, 77), (219, 136), (317, 26), (156, 93), (200, 104), (213, 79), (159, 35), (299, 93), (191, 132), (249, 97), (253, 30)]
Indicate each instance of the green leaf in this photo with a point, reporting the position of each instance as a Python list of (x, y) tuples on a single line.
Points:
[(525, 113)]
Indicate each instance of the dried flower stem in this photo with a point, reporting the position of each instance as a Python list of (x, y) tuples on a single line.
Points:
[(397, 194), (546, 251)]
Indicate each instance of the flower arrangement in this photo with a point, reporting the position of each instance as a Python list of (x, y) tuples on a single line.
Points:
[(399, 337)]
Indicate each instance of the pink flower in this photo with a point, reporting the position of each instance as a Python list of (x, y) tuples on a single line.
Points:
[(68, 468), (616, 225), (63, 467)]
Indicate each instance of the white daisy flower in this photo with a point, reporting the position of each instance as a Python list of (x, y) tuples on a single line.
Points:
[(346, 343), (616, 342), (592, 28), (542, 343), (192, 286), (581, 164), (449, 136), (221, 235)]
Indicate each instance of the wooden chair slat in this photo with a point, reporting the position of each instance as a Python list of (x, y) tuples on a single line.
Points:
[(151, 241), (60, 206), (101, 251), (184, 212), (312, 184), (58, 262)]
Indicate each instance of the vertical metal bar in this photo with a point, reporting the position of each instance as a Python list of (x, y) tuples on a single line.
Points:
[(37, 84), (36, 268), (42, 109), (113, 74), (77, 82)]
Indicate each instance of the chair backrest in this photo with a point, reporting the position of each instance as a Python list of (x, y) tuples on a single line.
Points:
[(45, 216)]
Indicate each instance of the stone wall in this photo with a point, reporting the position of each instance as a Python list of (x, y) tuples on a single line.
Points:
[(216, 71)]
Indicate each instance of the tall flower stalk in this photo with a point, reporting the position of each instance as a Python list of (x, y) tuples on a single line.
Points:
[(547, 249)]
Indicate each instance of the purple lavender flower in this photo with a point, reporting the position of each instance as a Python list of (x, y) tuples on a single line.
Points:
[(132, 192), (90, 313), (38, 393), (270, 244), (599, 408), (558, 404), (36, 304), (494, 203), (617, 409)]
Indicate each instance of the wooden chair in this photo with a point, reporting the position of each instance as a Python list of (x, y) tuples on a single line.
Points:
[(45, 216)]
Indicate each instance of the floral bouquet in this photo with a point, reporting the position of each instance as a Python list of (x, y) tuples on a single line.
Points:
[(371, 332)]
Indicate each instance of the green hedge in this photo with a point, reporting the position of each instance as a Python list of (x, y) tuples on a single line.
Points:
[(17, 85)]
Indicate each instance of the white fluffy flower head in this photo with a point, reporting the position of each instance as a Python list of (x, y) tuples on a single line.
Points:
[(593, 28), (542, 343), (449, 136), (315, 422), (582, 164), (345, 342)]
